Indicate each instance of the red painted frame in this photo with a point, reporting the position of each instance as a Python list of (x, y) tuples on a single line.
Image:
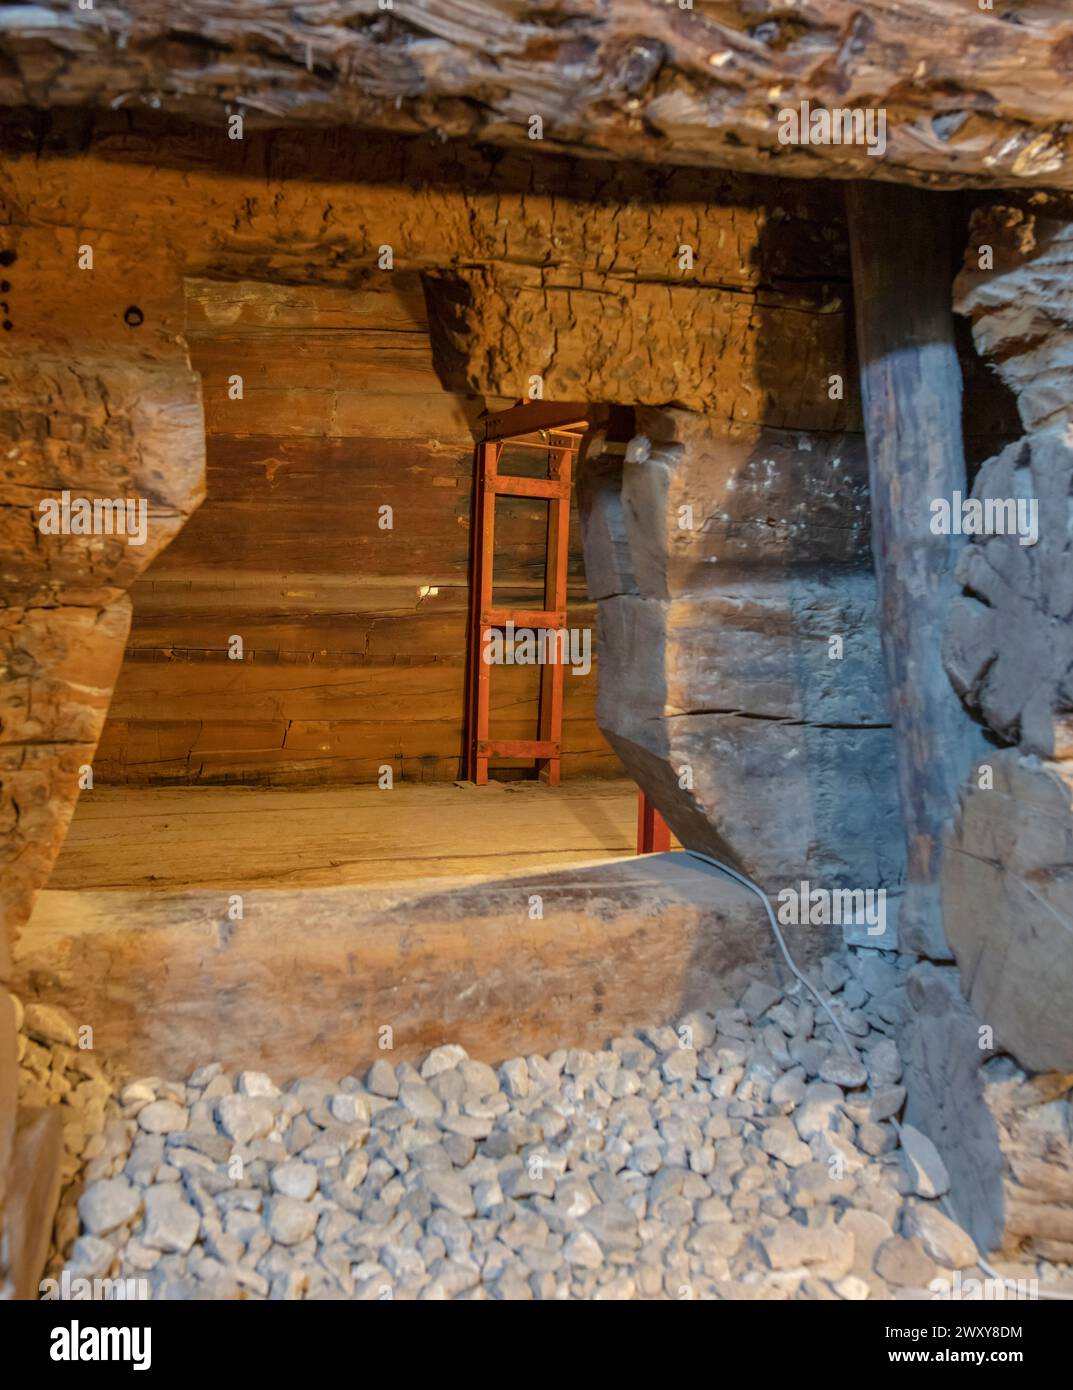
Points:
[(489, 483)]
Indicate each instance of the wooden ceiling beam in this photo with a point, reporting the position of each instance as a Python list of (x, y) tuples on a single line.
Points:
[(970, 96)]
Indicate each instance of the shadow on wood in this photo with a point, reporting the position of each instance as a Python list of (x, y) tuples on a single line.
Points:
[(308, 980)]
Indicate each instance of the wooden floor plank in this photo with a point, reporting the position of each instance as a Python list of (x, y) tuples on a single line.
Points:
[(230, 837)]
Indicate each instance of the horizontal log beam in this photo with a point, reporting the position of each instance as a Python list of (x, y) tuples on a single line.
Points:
[(448, 961), (972, 97), (530, 417)]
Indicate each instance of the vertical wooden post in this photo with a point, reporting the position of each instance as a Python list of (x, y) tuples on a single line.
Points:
[(653, 832), (485, 459), (555, 577), (489, 464), (911, 391)]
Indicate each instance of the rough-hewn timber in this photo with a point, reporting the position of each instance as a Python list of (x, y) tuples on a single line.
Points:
[(450, 962), (742, 684), (911, 391), (971, 96)]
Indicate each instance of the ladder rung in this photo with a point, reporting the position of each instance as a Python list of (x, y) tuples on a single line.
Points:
[(522, 617), (518, 748), (550, 488)]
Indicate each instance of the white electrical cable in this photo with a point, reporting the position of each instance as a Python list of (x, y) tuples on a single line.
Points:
[(755, 887), (745, 882)]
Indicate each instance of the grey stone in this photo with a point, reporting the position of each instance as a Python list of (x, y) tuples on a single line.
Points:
[(382, 1080), (450, 1191), (162, 1117), (791, 1244), (943, 1240), (884, 1063), (91, 1257), (290, 1220), (789, 1090), (420, 1100), (613, 1225), (244, 1118), (515, 1078), (780, 1140), (904, 1263), (757, 999), (886, 1102), (820, 1107), (926, 1170), (583, 1249), (841, 1070), (108, 1204), (349, 1109), (680, 1065), (171, 1223), (442, 1059), (295, 1179), (479, 1079)]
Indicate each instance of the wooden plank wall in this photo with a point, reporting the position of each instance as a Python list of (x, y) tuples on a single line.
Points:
[(354, 636)]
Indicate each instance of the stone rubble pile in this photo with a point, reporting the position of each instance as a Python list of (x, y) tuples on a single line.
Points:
[(55, 1070), (741, 1154)]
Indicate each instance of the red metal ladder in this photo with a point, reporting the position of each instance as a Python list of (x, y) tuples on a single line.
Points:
[(485, 617)]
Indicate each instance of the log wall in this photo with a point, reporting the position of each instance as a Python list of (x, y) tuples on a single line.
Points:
[(354, 634)]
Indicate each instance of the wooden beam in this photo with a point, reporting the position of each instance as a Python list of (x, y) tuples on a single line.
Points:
[(967, 95), (305, 982), (911, 393), (33, 1192), (533, 415), (653, 832)]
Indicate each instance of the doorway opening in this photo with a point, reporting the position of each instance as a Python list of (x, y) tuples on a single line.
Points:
[(291, 709)]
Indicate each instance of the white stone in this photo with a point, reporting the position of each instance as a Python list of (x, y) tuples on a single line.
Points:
[(583, 1249), (258, 1085), (442, 1059), (349, 1109), (382, 1080), (244, 1118), (162, 1117), (927, 1171), (140, 1092), (515, 1078), (295, 1179), (943, 1239), (291, 1221), (820, 1107)]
